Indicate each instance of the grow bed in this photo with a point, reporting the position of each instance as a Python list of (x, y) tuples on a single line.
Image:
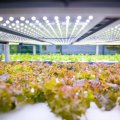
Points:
[(51, 62), (41, 111), (65, 58), (67, 88)]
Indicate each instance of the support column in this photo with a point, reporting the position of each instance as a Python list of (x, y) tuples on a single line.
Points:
[(60, 49), (40, 49), (7, 52), (97, 49), (34, 49)]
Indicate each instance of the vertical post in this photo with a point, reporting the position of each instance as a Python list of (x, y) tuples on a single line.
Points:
[(20, 48), (7, 52), (61, 49), (40, 49), (34, 49), (97, 49)]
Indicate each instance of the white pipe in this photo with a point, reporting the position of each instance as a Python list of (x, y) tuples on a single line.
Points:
[(40, 49), (97, 49), (34, 49), (7, 52)]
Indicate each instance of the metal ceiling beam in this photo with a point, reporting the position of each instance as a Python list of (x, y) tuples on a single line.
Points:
[(3, 42), (98, 12)]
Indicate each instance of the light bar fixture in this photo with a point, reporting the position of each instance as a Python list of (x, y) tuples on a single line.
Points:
[(6, 37), (111, 34), (53, 29)]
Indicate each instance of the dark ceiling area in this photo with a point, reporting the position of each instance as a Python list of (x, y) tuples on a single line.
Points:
[(59, 0), (59, 3)]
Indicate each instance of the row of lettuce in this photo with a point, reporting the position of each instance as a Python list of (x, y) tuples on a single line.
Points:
[(68, 88), (63, 58)]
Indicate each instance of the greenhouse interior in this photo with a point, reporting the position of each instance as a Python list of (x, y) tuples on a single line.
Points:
[(60, 60)]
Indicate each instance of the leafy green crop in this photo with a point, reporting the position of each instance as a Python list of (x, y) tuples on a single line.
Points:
[(64, 58), (68, 88)]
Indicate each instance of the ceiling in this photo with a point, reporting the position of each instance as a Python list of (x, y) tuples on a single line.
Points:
[(58, 3), (60, 21)]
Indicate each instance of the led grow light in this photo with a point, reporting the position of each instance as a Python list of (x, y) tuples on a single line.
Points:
[(33, 18), (106, 35), (11, 18), (54, 29), (1, 18), (22, 18), (5, 37)]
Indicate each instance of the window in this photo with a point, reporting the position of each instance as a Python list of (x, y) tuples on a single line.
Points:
[(58, 47), (44, 48), (13, 49)]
